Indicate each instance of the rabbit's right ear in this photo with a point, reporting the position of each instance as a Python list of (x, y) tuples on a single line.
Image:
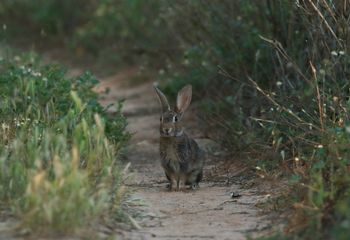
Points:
[(162, 99), (183, 99)]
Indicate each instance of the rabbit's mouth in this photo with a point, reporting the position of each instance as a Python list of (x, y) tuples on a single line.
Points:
[(167, 131), (163, 134), (171, 134)]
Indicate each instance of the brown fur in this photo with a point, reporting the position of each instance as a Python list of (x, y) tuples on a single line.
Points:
[(181, 158)]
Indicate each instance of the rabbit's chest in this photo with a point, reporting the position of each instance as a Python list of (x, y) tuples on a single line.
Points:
[(169, 154), (171, 158)]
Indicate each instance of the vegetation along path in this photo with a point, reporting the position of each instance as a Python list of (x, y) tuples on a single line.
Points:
[(207, 213)]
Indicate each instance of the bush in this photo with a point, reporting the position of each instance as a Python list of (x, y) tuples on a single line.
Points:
[(58, 166), (282, 88), (129, 28), (134, 31), (46, 18)]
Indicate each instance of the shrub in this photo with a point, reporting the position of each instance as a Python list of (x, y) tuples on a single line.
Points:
[(282, 88), (58, 166), (47, 18), (129, 28), (134, 31)]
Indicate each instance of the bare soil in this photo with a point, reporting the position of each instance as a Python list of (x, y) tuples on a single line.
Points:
[(207, 213)]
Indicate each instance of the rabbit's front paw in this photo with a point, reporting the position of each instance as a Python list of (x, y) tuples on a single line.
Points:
[(194, 186), (169, 186)]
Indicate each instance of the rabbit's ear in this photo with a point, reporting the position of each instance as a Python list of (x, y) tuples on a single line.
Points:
[(183, 99), (163, 100)]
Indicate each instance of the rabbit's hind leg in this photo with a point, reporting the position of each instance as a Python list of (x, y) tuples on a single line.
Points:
[(199, 177), (193, 179), (169, 185), (178, 184)]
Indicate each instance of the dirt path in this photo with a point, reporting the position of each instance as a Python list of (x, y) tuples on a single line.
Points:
[(206, 213)]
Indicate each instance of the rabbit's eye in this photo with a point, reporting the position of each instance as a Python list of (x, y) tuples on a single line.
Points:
[(175, 119), (161, 119)]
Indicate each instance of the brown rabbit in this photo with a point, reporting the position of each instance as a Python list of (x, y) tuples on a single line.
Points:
[(180, 155)]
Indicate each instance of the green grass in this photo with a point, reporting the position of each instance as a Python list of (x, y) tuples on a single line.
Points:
[(58, 164)]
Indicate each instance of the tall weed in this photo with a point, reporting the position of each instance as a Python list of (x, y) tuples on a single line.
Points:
[(58, 165)]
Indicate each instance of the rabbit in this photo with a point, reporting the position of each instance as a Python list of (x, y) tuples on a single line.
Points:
[(181, 158)]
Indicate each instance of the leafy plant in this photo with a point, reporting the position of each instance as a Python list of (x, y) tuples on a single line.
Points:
[(58, 166)]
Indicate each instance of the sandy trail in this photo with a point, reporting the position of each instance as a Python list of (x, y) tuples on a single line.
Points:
[(206, 213)]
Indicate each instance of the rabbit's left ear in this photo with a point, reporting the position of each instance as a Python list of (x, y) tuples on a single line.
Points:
[(183, 99)]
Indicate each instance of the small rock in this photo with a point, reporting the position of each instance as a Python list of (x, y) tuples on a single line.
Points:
[(235, 195)]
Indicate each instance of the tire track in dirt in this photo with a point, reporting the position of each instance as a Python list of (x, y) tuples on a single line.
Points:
[(206, 213)]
